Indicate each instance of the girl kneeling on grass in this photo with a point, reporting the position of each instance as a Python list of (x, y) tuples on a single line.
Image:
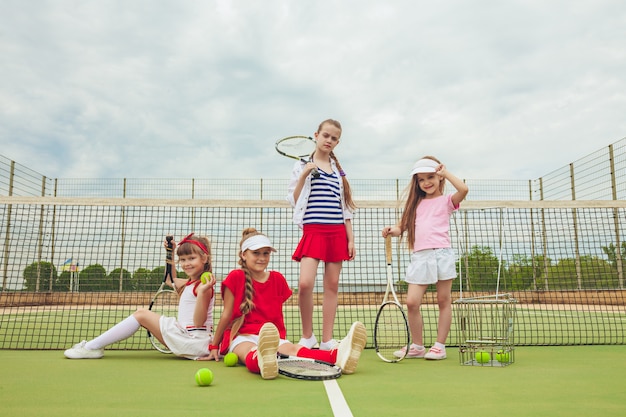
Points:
[(252, 323)]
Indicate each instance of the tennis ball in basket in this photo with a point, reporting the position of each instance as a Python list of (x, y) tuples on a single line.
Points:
[(482, 356), (231, 359), (502, 356), (204, 377), (205, 277)]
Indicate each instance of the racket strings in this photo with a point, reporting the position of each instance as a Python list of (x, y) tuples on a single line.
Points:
[(165, 303), (296, 147), (307, 368), (391, 332)]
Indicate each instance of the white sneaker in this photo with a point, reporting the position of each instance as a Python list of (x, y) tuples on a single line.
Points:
[(330, 345), (308, 343), (79, 351), (350, 348), (414, 352), (435, 353), (266, 351)]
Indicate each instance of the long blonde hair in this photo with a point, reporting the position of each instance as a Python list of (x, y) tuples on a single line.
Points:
[(347, 191), (414, 195), (247, 305)]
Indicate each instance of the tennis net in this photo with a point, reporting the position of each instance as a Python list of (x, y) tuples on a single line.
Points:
[(72, 267)]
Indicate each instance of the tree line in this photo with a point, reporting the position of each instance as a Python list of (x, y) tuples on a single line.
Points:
[(479, 269)]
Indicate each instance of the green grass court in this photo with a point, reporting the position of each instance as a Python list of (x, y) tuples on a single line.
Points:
[(544, 381), (539, 325), (135, 380)]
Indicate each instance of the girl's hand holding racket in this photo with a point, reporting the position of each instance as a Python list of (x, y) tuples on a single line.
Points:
[(300, 148), (169, 244), (310, 169), (390, 231)]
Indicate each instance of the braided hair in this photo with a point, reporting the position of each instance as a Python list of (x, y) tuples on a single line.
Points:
[(247, 304)]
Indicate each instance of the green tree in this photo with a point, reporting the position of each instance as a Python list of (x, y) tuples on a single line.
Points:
[(142, 280), (526, 272), (595, 273), (481, 273), (63, 282), (611, 253), (113, 280), (42, 272), (157, 274), (93, 278)]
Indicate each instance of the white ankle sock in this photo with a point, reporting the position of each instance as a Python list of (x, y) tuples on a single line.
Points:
[(122, 330)]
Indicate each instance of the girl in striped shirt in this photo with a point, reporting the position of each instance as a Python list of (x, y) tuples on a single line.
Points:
[(323, 208)]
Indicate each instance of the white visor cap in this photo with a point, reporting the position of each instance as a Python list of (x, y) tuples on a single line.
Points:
[(424, 165), (257, 242)]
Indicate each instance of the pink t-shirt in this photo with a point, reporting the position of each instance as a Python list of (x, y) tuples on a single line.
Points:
[(432, 223)]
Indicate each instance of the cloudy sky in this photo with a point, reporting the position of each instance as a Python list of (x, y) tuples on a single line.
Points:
[(505, 89)]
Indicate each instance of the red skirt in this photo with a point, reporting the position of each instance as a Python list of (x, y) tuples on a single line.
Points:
[(326, 242)]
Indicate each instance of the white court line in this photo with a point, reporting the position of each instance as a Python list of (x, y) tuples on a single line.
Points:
[(337, 401)]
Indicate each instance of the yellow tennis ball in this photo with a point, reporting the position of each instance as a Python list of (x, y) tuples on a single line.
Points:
[(205, 277), (502, 356), (482, 356), (204, 377), (231, 359)]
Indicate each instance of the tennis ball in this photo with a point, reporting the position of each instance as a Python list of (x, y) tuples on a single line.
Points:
[(502, 356), (231, 359), (204, 377), (205, 277), (482, 356)]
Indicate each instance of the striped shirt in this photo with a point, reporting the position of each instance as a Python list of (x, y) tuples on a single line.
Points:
[(324, 205)]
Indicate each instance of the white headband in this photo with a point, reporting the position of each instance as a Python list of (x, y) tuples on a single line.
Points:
[(257, 242), (424, 165)]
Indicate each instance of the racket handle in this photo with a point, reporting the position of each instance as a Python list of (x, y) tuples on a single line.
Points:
[(388, 249), (314, 172), (168, 249)]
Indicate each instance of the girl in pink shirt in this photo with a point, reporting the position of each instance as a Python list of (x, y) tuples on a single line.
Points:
[(426, 219)]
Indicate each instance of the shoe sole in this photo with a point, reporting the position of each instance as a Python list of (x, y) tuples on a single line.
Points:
[(357, 337), (266, 351), (435, 358), (71, 355)]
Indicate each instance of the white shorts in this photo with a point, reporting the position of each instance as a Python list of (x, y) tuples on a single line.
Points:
[(431, 265), (190, 344), (253, 338)]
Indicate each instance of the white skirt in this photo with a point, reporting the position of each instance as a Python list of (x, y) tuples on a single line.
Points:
[(190, 344), (431, 265)]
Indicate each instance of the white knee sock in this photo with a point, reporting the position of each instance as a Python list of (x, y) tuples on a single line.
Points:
[(122, 330)]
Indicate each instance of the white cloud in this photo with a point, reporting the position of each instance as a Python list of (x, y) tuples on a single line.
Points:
[(508, 90)]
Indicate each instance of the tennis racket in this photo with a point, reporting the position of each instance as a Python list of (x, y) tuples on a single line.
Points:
[(307, 369), (165, 301), (391, 331), (298, 147)]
